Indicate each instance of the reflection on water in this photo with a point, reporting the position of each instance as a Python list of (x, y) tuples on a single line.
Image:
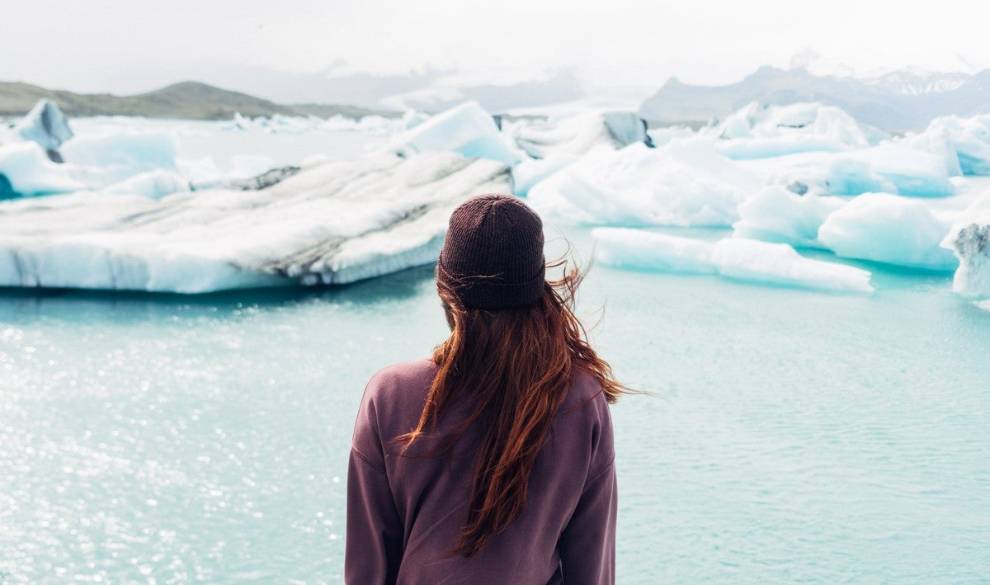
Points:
[(793, 436)]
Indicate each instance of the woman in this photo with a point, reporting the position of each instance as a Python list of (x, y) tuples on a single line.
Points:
[(492, 461)]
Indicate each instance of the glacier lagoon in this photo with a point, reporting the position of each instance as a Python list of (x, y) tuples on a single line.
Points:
[(791, 436)]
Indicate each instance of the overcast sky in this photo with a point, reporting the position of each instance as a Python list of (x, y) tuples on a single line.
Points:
[(135, 45)]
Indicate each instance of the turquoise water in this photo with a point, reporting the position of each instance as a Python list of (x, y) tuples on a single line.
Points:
[(791, 437)]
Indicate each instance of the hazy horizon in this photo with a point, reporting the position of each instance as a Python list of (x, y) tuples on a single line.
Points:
[(621, 49)]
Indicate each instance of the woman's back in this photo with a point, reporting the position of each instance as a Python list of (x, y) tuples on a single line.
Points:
[(406, 510), (491, 462)]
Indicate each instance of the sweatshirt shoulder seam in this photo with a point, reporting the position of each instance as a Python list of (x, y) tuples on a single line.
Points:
[(608, 466), (366, 460)]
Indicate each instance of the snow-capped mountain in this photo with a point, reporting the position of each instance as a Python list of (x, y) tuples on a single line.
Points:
[(900, 100)]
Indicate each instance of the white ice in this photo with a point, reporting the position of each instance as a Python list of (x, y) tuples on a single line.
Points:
[(333, 223), (965, 141), (736, 258), (762, 130), (29, 170), (778, 215), (575, 135), (969, 239), (466, 129), (685, 183), (45, 125), (885, 228), (153, 184)]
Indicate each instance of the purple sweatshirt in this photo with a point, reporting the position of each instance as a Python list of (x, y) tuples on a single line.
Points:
[(404, 513)]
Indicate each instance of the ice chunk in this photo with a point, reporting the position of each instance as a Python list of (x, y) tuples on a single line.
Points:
[(737, 258), (466, 129), (575, 135), (776, 214), (153, 184), (532, 171), (889, 168), (28, 171), (970, 240), (640, 249), (972, 248), (45, 125), (967, 141), (889, 229), (332, 223), (666, 134), (685, 183), (761, 130), (122, 153)]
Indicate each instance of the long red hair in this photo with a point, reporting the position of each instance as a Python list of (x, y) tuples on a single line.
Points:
[(516, 366)]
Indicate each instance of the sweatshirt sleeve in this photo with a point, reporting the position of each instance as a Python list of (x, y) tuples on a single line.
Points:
[(373, 547), (587, 545)]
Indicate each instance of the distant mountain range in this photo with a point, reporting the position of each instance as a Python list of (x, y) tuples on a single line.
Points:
[(897, 101), (187, 100)]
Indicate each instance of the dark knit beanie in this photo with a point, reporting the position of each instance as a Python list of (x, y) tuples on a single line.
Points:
[(492, 256)]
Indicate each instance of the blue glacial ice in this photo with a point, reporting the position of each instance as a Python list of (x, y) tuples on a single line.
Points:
[(334, 223), (776, 214), (44, 125), (964, 141), (761, 131), (685, 183), (28, 170), (885, 228), (41, 155), (466, 129), (558, 141), (736, 258), (969, 239)]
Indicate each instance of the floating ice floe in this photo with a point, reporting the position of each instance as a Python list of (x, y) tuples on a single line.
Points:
[(736, 258), (82, 162), (965, 142), (466, 129), (969, 239), (334, 223), (776, 214), (153, 184), (685, 183), (885, 228), (575, 135), (558, 141), (889, 168), (44, 125), (26, 169), (762, 130)]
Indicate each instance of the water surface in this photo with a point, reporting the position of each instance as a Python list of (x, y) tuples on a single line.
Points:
[(791, 437)]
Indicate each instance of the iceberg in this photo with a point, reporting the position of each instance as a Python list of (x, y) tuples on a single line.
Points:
[(685, 183), (333, 223), (761, 131), (776, 214), (576, 134), (46, 126), (27, 169), (90, 162), (466, 129), (531, 171), (969, 239), (153, 184), (892, 230), (972, 247), (965, 141), (122, 154), (890, 168), (735, 258)]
